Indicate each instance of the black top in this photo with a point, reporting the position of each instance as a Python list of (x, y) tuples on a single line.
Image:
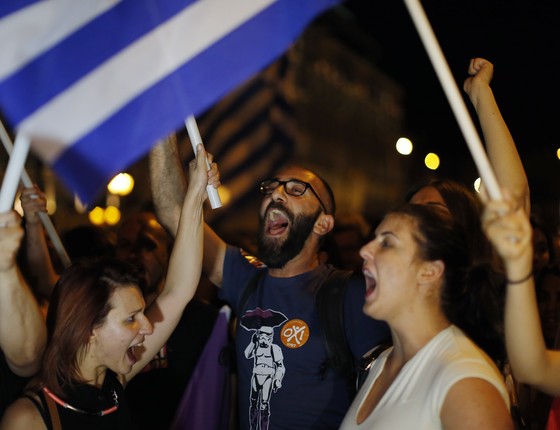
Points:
[(93, 399), (155, 393)]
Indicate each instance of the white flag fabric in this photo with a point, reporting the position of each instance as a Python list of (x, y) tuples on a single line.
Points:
[(94, 84)]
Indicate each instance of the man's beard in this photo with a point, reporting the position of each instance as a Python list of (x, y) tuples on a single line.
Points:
[(275, 255)]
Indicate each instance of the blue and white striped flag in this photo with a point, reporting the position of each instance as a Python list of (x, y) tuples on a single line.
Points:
[(252, 131), (96, 83)]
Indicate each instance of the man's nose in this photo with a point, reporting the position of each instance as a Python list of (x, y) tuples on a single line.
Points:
[(279, 193)]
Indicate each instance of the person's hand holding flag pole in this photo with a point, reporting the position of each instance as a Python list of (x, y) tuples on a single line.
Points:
[(13, 172), (27, 182), (194, 136)]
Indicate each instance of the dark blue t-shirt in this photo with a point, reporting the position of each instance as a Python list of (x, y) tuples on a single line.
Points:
[(280, 349)]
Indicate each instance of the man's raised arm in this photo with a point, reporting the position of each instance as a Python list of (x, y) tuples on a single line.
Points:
[(169, 187)]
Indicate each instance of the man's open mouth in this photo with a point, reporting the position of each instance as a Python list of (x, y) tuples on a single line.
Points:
[(276, 222)]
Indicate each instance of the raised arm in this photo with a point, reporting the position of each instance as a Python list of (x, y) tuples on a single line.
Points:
[(508, 228), (168, 183), (168, 189), (185, 263), (33, 201), (500, 146), (22, 328)]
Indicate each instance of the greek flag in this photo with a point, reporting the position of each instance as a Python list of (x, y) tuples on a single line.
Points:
[(94, 84), (252, 131)]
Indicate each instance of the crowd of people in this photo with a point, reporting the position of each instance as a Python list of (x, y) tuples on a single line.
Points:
[(437, 316)]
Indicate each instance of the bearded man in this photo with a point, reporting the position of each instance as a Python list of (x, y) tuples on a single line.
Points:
[(296, 213)]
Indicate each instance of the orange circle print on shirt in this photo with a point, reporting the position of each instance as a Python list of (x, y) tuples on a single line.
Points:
[(294, 333)]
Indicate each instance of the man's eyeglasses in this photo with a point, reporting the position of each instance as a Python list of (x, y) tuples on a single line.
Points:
[(293, 187)]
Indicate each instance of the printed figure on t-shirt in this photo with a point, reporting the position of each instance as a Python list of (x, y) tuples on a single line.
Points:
[(268, 367)]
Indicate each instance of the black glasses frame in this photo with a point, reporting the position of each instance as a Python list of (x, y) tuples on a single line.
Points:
[(268, 186)]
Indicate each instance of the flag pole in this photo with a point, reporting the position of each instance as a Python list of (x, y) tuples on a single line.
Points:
[(194, 136), (45, 219), (454, 97), (13, 173)]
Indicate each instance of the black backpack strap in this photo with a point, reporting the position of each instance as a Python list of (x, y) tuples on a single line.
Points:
[(367, 361), (329, 303), (248, 290)]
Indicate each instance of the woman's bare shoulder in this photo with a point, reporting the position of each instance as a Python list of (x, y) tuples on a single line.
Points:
[(22, 414)]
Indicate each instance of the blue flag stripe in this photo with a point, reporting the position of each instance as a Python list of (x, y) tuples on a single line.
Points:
[(8, 7)]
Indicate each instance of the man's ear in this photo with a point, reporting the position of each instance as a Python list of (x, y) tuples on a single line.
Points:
[(323, 225), (431, 271)]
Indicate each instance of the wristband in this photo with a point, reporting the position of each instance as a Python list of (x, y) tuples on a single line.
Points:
[(520, 281)]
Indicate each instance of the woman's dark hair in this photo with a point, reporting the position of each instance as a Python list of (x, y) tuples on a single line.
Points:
[(472, 293), (466, 209), (80, 302)]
